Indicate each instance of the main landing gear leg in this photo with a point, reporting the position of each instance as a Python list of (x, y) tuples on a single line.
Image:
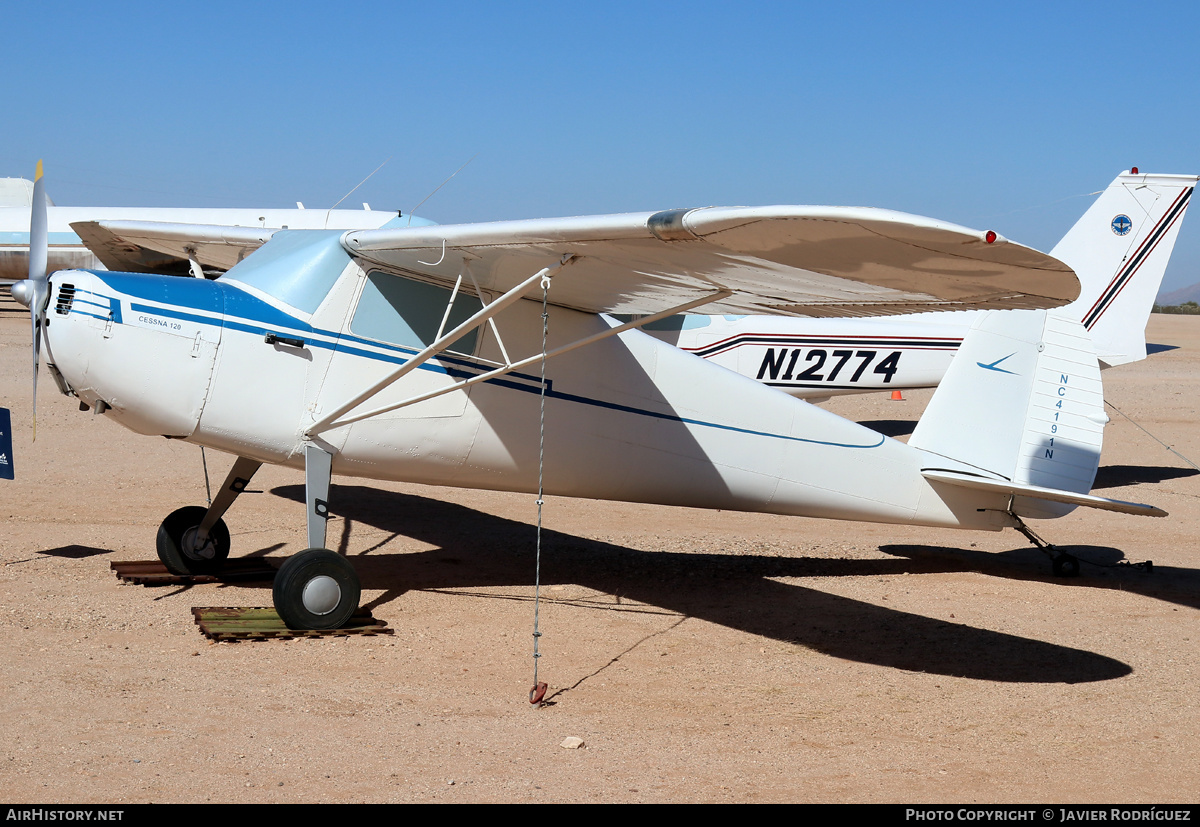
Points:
[(317, 588), (194, 539), (1063, 564)]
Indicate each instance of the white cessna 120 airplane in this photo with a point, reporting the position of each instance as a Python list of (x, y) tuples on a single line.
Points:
[(425, 354)]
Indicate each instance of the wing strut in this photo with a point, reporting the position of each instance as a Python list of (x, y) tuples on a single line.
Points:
[(439, 344), (332, 420)]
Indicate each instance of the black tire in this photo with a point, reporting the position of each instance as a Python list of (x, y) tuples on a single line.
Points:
[(316, 589), (176, 546), (1066, 565)]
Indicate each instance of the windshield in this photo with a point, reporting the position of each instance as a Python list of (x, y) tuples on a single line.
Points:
[(298, 267)]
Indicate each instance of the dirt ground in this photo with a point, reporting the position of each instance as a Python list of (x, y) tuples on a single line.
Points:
[(701, 656)]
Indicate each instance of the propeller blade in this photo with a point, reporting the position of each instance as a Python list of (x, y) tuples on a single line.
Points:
[(37, 353), (38, 244), (39, 251)]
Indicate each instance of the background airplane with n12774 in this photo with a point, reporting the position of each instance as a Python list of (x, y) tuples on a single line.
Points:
[(431, 354)]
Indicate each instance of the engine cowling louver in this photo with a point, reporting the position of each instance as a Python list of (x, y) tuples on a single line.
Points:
[(66, 296)]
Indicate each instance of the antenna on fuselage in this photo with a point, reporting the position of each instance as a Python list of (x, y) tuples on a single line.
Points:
[(439, 186), (356, 186)]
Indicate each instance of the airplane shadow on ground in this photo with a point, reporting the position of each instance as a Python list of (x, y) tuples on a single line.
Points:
[(475, 549), (1115, 476), (890, 427), (1103, 568), (1152, 349), (75, 552)]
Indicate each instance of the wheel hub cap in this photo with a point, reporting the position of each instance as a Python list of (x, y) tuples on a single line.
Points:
[(321, 595), (197, 552)]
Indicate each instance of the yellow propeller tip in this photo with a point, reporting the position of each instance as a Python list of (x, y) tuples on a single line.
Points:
[(37, 175)]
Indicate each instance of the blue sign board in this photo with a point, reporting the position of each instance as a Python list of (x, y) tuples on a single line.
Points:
[(6, 457)]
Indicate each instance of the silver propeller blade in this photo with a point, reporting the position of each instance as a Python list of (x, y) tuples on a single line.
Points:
[(38, 285)]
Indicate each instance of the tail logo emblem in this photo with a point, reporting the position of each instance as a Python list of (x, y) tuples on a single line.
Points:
[(1121, 225), (994, 365)]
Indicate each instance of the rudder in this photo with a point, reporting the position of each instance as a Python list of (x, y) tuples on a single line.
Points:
[(1021, 402)]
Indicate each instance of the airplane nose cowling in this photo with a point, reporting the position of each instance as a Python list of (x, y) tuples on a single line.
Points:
[(143, 345)]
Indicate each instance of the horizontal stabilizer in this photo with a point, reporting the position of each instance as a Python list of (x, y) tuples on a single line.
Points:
[(1022, 401), (1040, 493)]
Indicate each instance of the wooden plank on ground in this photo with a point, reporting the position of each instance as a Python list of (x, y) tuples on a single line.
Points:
[(154, 573), (251, 623)]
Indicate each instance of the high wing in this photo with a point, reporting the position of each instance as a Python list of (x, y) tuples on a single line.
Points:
[(152, 246), (787, 260)]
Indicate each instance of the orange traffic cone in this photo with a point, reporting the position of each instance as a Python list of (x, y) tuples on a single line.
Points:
[(897, 396)]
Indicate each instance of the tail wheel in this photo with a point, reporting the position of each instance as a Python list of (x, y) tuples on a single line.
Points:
[(316, 589), (1065, 565), (181, 552)]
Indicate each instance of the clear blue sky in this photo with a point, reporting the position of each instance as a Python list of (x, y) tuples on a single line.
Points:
[(990, 115)]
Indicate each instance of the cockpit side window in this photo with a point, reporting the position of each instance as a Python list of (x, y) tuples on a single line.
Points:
[(407, 313), (298, 267)]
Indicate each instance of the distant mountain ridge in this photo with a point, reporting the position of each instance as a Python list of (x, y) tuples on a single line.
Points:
[(1183, 294)]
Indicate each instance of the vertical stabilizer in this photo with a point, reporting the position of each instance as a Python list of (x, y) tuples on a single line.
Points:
[(1120, 249), (16, 192), (1022, 402)]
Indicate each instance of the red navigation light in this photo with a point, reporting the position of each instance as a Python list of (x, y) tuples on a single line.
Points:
[(1134, 171), (990, 237)]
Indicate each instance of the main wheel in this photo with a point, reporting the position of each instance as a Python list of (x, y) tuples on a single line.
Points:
[(316, 589), (177, 546)]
